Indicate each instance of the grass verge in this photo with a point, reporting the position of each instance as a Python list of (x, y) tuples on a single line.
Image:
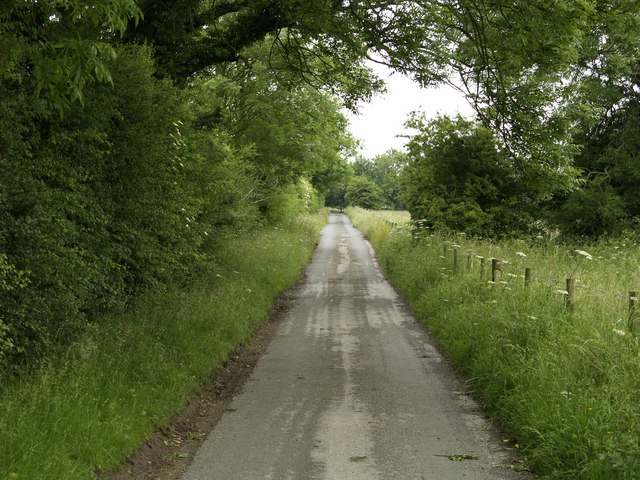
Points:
[(565, 384), (88, 409)]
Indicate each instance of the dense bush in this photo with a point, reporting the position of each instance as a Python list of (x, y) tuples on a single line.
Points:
[(125, 195), (94, 202), (460, 178)]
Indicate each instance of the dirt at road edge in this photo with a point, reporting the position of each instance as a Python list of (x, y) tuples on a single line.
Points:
[(168, 453)]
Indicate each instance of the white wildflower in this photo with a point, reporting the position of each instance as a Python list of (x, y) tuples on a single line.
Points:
[(584, 254), (521, 254), (562, 292), (617, 331), (531, 317), (455, 245)]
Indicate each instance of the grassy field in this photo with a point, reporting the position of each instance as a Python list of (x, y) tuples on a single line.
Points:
[(564, 384), (90, 408)]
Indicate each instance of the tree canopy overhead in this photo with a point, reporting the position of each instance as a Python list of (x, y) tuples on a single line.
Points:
[(532, 69), (324, 42)]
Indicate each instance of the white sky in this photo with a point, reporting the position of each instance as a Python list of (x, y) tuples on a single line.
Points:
[(379, 122)]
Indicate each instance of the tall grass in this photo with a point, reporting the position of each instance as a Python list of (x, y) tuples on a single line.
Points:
[(88, 409), (566, 385)]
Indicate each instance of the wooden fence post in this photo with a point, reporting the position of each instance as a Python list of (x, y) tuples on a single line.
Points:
[(527, 277), (469, 261), (633, 302), (570, 298), (444, 250), (496, 270), (482, 268), (455, 259)]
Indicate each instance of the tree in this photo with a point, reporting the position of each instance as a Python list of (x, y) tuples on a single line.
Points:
[(607, 198), (384, 170), (460, 178), (191, 36), (56, 48), (362, 192), (537, 70), (288, 130)]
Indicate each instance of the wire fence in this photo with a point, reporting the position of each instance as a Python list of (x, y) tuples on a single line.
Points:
[(528, 276), (493, 268)]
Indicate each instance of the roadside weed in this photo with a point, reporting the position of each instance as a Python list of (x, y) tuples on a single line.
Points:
[(86, 410), (564, 382)]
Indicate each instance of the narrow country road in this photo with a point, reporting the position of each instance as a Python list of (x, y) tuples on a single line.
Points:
[(351, 388)]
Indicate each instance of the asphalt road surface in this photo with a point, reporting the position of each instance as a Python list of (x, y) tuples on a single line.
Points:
[(351, 388)]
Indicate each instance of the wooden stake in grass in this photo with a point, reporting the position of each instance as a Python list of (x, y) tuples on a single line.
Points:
[(469, 261), (455, 259), (444, 250), (496, 270), (482, 268), (570, 297), (633, 317), (527, 277)]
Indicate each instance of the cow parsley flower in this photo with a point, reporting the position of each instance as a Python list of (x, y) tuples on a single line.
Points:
[(584, 254)]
